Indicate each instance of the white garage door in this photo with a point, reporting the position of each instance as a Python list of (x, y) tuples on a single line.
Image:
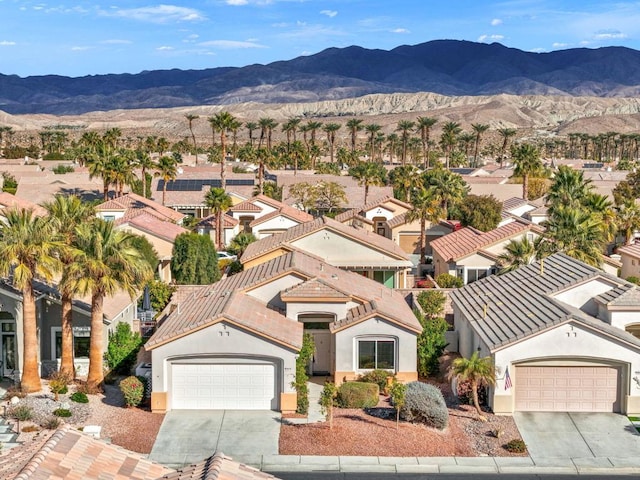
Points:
[(567, 389), (222, 386)]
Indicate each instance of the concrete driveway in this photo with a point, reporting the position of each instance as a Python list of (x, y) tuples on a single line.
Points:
[(578, 435), (189, 436)]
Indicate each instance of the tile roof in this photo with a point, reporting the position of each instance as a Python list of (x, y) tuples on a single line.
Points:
[(513, 203), (285, 211), (70, 454), (469, 240), (136, 202), (229, 299), (626, 295), (13, 461), (218, 467), (9, 201), (384, 199), (632, 250), (227, 221), (314, 288), (156, 227), (284, 239), (246, 206), (503, 309)]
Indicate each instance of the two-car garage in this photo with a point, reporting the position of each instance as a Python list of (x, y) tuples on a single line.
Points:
[(567, 388)]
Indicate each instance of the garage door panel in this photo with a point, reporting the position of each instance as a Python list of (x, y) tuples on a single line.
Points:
[(223, 386), (567, 388)]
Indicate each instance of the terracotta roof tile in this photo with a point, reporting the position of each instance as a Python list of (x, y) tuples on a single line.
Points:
[(468, 240), (218, 467), (70, 454), (285, 211), (9, 201), (314, 288), (133, 201), (268, 244), (632, 250), (227, 221), (246, 206), (156, 227)]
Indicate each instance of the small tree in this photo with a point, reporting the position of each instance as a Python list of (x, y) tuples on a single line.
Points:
[(300, 383), (398, 393), (431, 343), (194, 260), (482, 212), (327, 398), (446, 280), (478, 371), (122, 349)]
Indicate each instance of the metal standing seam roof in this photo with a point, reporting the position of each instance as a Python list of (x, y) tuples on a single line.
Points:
[(229, 299), (507, 308), (273, 242)]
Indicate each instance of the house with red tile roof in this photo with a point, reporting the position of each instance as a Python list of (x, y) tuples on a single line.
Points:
[(343, 246), (9, 201), (70, 454), (471, 254), (234, 344)]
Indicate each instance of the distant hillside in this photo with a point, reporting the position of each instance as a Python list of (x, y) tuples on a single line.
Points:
[(445, 67)]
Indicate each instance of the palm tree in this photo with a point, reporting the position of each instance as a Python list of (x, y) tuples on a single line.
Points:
[(372, 129), (240, 242), (251, 126), (628, 220), (517, 253), (218, 201), (212, 124), (190, 118), (368, 175), (447, 186), (392, 142), (569, 188), (449, 138), (290, 127), (424, 125), (404, 127), (426, 208), (145, 163), (167, 170), (223, 122), (478, 371), (266, 129), (108, 263), (526, 158), (405, 180), (331, 129), (313, 127), (66, 214), (27, 252), (354, 125), (506, 134), (478, 129)]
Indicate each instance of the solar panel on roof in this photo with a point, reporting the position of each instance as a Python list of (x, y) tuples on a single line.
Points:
[(593, 165), (463, 171), (196, 185)]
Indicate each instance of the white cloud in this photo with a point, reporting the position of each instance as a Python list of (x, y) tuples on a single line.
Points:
[(492, 38), (236, 2), (164, 48), (496, 21), (399, 30), (559, 45), (231, 44), (158, 14), (329, 13), (609, 35), (6, 43), (79, 49)]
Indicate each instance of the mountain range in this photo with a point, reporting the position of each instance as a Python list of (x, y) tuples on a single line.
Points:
[(447, 67)]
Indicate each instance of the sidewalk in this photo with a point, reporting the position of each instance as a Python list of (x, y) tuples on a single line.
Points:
[(315, 385), (507, 465)]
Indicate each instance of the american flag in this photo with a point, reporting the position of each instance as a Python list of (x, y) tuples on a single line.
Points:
[(507, 380)]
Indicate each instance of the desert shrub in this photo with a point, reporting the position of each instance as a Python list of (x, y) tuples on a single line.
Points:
[(235, 267), (51, 423), (21, 412), (62, 169), (14, 391), (358, 395), (446, 280), (122, 349), (431, 343), (84, 387), (515, 446), (424, 403), (30, 428), (465, 393), (432, 303), (62, 412), (378, 376), (633, 279), (133, 391), (79, 397), (58, 382)]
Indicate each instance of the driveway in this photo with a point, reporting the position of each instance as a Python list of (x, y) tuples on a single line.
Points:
[(189, 436), (577, 435)]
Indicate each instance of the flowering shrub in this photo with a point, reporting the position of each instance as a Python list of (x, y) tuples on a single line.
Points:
[(133, 391)]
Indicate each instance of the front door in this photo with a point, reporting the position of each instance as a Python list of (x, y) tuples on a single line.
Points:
[(8, 350), (321, 361)]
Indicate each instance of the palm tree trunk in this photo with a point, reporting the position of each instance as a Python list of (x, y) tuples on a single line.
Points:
[(105, 190), (164, 191), (96, 349), (525, 186), (476, 403), (219, 230), (66, 361), (423, 243), (144, 182), (223, 173), (30, 374)]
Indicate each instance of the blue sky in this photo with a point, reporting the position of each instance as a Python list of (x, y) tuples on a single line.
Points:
[(82, 38)]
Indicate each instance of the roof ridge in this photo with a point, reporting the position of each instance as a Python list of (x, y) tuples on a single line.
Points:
[(38, 457)]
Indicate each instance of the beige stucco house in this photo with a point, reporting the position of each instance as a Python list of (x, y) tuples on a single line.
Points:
[(630, 259), (564, 333), (233, 344)]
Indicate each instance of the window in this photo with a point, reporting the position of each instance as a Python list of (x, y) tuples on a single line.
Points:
[(80, 343), (374, 354), (474, 274)]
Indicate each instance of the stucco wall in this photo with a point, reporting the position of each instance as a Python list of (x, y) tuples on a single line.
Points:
[(276, 223), (163, 247), (630, 266), (570, 343), (345, 344), (380, 211), (337, 309), (220, 340), (622, 319), (270, 292), (581, 296)]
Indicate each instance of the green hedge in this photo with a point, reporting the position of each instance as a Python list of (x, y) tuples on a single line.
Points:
[(358, 395)]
